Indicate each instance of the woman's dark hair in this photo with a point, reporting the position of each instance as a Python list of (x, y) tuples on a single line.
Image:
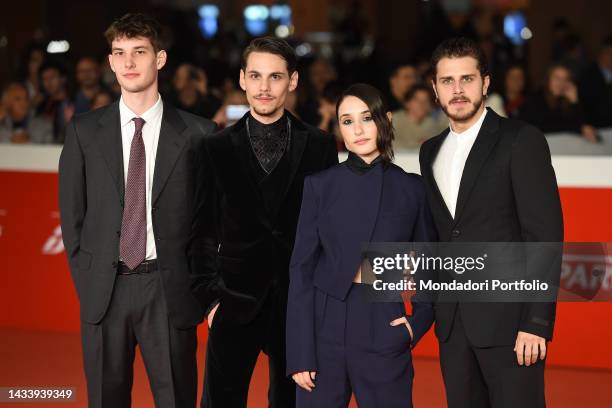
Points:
[(552, 101), (271, 45), (133, 26), (378, 108), (457, 48)]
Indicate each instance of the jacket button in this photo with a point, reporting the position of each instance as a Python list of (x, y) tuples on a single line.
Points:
[(456, 233)]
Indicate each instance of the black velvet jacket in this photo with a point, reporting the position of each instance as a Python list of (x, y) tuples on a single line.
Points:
[(243, 241)]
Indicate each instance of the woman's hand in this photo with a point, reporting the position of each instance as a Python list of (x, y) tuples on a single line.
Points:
[(403, 320), (305, 379)]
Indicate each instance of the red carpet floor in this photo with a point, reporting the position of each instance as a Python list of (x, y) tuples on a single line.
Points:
[(54, 359)]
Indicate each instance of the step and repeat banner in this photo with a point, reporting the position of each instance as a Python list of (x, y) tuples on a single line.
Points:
[(37, 293)]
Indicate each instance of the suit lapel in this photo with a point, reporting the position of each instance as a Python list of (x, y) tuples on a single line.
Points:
[(429, 175), (169, 147), (299, 137), (485, 141), (242, 148), (108, 138)]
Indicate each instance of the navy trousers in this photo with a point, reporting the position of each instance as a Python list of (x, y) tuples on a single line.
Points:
[(359, 351)]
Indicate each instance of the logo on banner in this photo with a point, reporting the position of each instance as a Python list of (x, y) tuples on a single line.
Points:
[(54, 244)]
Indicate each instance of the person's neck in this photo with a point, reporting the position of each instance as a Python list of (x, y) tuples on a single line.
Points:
[(418, 119), (90, 91), (369, 158), (397, 94), (513, 95), (268, 119), (59, 96), (462, 126), (140, 102)]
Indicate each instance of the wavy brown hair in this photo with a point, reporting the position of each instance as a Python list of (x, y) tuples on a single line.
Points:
[(378, 108), (133, 25)]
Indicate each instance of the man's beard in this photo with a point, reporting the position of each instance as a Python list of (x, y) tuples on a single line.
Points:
[(465, 116)]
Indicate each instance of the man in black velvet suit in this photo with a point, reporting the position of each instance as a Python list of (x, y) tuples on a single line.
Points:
[(251, 201), (489, 179)]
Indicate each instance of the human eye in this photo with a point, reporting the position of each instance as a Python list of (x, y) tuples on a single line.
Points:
[(367, 118), (468, 79), (347, 122)]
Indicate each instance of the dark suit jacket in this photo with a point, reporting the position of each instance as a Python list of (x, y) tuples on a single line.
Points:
[(91, 193), (340, 212), (246, 248), (508, 193), (596, 97)]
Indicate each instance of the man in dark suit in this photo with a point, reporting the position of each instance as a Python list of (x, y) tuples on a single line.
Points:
[(253, 191), (127, 183), (489, 179)]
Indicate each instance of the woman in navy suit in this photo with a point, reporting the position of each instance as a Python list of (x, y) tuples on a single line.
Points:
[(337, 342)]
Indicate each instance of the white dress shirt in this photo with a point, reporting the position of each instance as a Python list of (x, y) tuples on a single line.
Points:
[(450, 161), (150, 137)]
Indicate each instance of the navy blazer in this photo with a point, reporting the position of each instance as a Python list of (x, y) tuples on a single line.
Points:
[(391, 206)]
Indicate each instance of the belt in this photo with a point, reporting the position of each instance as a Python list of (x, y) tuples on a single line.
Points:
[(144, 267)]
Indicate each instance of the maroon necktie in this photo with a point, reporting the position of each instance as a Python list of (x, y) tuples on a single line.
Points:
[(133, 242)]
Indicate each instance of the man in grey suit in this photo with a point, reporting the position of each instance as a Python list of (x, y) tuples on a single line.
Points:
[(128, 195)]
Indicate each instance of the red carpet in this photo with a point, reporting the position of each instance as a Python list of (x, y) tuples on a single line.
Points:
[(31, 358)]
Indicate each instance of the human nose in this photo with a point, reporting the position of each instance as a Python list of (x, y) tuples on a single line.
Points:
[(358, 129), (129, 61)]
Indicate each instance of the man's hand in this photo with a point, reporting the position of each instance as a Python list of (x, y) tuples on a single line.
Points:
[(528, 346), (211, 315), (403, 320), (589, 133), (305, 379)]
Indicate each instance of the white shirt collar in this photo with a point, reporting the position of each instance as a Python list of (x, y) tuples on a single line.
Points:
[(126, 114), (472, 131)]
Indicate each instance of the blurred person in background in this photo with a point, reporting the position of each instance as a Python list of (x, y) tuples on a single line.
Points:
[(190, 92), (556, 108), (102, 99), (595, 89), (415, 123), (327, 112), (235, 97), (320, 73), (514, 89), (402, 78), (88, 76), (33, 58), (18, 124), (56, 105)]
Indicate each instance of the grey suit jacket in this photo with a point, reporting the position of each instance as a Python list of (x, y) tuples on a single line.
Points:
[(91, 195)]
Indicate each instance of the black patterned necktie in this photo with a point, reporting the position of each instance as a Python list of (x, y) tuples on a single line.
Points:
[(133, 242)]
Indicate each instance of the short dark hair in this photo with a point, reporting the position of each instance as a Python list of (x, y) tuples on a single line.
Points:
[(418, 88), (274, 46), (459, 47), (133, 25), (378, 108)]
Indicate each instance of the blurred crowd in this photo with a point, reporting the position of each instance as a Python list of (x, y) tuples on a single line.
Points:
[(575, 96)]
